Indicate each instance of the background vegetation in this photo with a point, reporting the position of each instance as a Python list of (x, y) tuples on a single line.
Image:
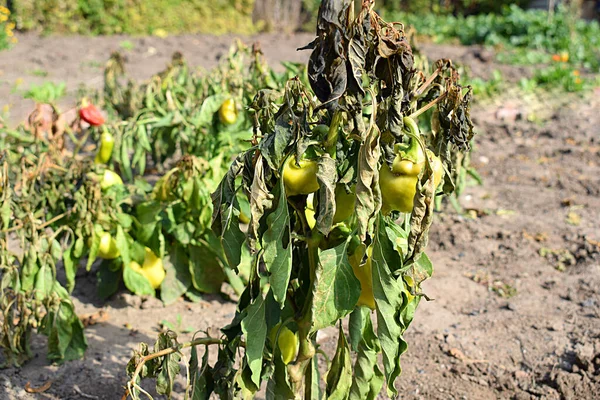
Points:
[(216, 16)]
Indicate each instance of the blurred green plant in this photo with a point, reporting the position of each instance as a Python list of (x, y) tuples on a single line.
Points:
[(98, 17), (526, 37), (47, 92)]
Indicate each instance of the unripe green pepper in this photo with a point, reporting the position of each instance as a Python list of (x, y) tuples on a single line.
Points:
[(300, 178), (107, 142), (399, 183)]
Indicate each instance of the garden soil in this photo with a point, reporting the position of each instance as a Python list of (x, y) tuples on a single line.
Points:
[(516, 289)]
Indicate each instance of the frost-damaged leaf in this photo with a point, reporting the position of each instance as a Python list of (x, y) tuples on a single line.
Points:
[(368, 194), (368, 378), (273, 146), (339, 376), (169, 367), (336, 289), (388, 298), (178, 278), (454, 118), (260, 200), (326, 176), (277, 245), (254, 326), (327, 70), (421, 216), (226, 212), (357, 50)]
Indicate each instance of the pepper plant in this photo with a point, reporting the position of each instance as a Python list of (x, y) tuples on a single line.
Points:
[(351, 141)]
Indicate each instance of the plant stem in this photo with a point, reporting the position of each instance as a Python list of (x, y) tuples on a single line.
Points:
[(196, 342), (331, 143), (428, 106)]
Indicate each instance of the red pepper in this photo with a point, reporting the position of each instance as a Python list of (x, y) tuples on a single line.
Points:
[(90, 114)]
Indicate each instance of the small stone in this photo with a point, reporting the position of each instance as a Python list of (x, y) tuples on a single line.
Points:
[(521, 375), (588, 303), (584, 353)]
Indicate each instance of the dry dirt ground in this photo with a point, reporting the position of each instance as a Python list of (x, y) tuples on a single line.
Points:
[(532, 230)]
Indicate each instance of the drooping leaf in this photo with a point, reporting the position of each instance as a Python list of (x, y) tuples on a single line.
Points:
[(389, 301), (368, 379), (168, 368), (260, 201), (339, 376), (254, 326), (326, 176), (200, 378), (277, 245)]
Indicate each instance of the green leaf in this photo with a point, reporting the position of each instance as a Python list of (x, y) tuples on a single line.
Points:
[(66, 340), (336, 290), (184, 232), (94, 247), (312, 389), (108, 279), (278, 386), (277, 245), (136, 282), (70, 264), (44, 281), (339, 376), (209, 107), (123, 245), (207, 274), (254, 326), (178, 278), (148, 217), (30, 269)]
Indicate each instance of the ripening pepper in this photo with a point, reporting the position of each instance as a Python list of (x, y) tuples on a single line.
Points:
[(152, 269), (228, 112), (90, 114)]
